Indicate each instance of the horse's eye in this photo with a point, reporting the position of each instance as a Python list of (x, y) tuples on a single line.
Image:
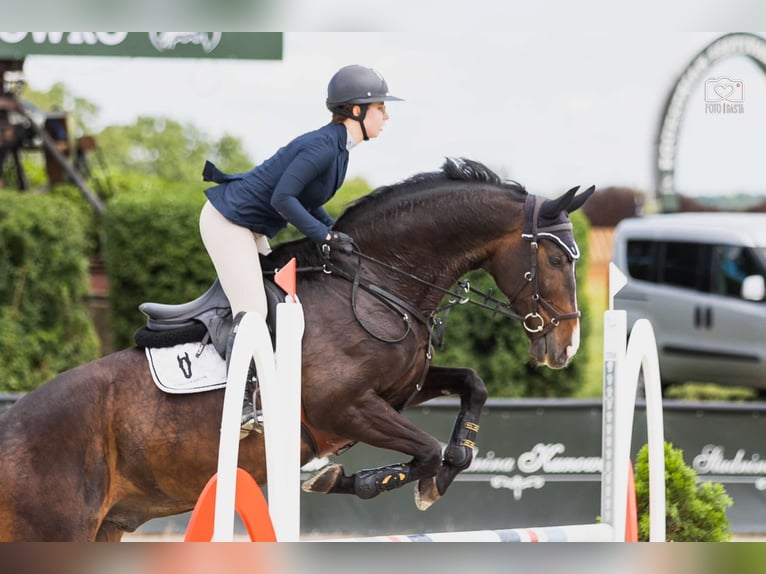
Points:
[(556, 261)]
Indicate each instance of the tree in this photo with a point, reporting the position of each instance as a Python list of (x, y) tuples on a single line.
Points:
[(166, 149), (156, 148), (59, 98)]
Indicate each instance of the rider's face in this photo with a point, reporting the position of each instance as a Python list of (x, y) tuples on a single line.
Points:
[(375, 119)]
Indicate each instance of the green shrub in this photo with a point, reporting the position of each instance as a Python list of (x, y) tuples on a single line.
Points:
[(44, 324), (709, 392), (695, 511), (153, 253)]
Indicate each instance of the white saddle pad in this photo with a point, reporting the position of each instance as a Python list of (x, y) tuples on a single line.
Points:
[(179, 370)]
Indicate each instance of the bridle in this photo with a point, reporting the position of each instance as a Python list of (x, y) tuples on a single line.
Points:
[(552, 232)]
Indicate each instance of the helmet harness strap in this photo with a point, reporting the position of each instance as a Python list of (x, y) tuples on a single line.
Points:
[(360, 118)]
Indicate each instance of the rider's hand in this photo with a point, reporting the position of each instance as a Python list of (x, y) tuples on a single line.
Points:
[(338, 241)]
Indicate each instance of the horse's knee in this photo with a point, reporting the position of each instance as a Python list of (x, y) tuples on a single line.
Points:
[(478, 387)]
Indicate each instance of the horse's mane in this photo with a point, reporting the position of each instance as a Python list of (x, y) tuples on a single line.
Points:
[(453, 169)]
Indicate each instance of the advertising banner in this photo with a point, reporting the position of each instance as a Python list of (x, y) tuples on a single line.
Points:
[(240, 45)]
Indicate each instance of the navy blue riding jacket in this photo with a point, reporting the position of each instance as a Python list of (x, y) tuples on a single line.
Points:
[(291, 186)]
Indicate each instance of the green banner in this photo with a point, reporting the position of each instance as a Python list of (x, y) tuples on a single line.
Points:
[(239, 45)]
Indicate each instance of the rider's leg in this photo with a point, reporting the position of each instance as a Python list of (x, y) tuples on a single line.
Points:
[(234, 252)]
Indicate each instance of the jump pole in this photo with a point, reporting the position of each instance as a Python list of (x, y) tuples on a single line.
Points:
[(622, 365), (280, 384)]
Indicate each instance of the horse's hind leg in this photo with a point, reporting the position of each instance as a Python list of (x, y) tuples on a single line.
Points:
[(373, 421), (458, 453)]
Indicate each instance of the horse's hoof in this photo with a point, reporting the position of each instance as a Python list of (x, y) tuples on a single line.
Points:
[(323, 479), (426, 493)]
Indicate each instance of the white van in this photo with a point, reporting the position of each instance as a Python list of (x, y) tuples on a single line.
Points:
[(699, 279)]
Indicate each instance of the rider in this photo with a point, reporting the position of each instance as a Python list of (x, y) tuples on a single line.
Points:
[(291, 186)]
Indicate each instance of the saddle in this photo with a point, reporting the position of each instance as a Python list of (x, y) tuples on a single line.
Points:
[(206, 319)]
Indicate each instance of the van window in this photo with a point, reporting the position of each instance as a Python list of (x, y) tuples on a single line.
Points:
[(642, 257), (686, 265), (731, 264), (678, 263), (718, 269)]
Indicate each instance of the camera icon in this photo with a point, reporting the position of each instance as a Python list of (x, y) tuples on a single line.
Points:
[(724, 89)]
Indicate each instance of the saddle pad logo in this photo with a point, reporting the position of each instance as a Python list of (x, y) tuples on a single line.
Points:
[(184, 369), (184, 363)]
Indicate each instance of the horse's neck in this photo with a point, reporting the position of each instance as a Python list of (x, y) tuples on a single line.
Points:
[(441, 247)]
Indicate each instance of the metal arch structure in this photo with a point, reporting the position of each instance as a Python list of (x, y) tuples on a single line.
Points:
[(734, 44)]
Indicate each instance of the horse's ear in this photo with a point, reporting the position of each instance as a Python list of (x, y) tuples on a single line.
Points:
[(552, 207), (579, 200)]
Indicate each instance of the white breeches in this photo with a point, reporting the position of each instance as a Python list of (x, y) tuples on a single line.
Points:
[(234, 252)]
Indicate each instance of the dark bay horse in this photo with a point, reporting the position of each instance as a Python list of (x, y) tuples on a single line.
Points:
[(99, 450)]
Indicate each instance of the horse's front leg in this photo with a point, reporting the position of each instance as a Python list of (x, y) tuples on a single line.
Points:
[(372, 420), (458, 453)]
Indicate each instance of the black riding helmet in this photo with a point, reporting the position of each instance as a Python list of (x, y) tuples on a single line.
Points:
[(356, 85)]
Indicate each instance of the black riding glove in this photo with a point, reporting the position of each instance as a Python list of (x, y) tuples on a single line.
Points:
[(338, 241)]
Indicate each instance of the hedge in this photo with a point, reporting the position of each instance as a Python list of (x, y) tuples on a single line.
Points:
[(153, 253), (44, 323)]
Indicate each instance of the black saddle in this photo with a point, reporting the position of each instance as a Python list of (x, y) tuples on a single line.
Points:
[(206, 319)]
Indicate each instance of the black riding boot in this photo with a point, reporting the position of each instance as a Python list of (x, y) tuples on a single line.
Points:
[(250, 420)]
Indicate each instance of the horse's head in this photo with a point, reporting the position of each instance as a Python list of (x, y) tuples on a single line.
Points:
[(540, 284)]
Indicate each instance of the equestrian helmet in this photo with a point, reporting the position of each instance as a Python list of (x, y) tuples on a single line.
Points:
[(357, 85)]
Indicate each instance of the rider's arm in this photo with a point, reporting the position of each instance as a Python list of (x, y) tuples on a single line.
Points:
[(321, 214), (304, 169)]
